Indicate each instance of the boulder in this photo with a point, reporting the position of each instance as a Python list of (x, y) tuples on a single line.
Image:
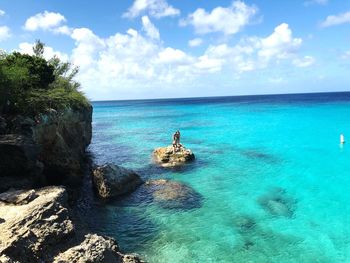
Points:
[(166, 157), (174, 195), (111, 180), (34, 223), (95, 249)]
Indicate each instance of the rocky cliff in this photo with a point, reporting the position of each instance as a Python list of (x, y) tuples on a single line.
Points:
[(46, 149)]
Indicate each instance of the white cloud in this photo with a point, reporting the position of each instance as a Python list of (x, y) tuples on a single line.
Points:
[(280, 44), (316, 2), (133, 64), (195, 42), (346, 55), (257, 53), (276, 80), (49, 52), (4, 33), (170, 55), (334, 20), (304, 62), (155, 8), (2, 12), (149, 28), (228, 20), (49, 21)]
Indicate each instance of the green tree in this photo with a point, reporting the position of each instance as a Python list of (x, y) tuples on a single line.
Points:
[(39, 48), (30, 84), (41, 73)]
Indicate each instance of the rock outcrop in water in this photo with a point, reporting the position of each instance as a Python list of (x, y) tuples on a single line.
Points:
[(47, 149), (167, 157), (174, 195), (111, 180), (36, 226)]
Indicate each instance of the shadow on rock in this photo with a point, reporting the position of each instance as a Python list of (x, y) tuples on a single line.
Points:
[(173, 195), (278, 203)]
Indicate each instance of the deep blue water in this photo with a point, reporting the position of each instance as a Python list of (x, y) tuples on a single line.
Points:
[(272, 180)]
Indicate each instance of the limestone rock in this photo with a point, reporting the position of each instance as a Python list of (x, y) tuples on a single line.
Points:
[(17, 155), (111, 180), (32, 227), (62, 138), (93, 249), (20, 197), (96, 249), (174, 195), (35, 226), (166, 157), (47, 149), (19, 167)]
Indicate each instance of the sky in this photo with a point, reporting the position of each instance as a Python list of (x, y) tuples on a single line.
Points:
[(141, 49)]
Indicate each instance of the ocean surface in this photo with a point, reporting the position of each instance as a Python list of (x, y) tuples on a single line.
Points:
[(272, 181)]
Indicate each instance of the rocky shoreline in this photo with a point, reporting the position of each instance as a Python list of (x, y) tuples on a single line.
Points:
[(42, 164), (37, 224)]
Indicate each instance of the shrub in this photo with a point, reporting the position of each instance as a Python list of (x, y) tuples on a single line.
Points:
[(30, 85)]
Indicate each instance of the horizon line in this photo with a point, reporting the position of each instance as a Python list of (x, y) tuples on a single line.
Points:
[(225, 96)]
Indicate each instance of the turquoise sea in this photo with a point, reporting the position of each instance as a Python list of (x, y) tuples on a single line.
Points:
[(271, 178)]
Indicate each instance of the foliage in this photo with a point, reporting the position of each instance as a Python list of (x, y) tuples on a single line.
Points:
[(38, 48), (31, 85)]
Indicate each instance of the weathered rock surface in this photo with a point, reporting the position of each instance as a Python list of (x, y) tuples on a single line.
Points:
[(31, 230), (36, 226), (95, 249), (19, 197), (111, 180), (47, 149), (166, 157), (62, 138), (174, 195)]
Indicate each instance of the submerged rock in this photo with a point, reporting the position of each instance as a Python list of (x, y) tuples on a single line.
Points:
[(166, 157), (111, 180), (278, 203), (244, 223), (174, 195)]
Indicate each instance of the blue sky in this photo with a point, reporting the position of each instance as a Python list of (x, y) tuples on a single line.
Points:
[(170, 48)]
